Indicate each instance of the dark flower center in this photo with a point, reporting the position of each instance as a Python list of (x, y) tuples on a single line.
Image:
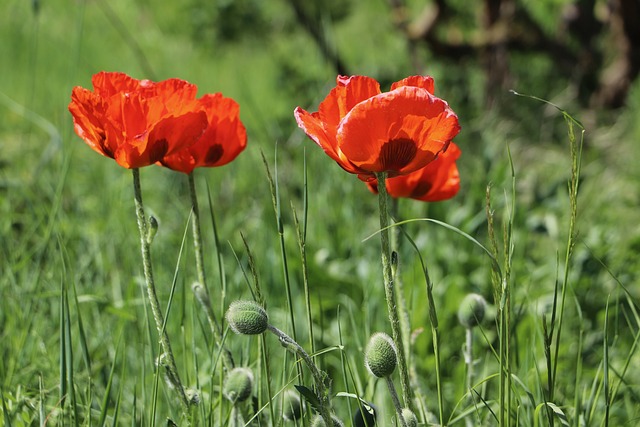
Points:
[(397, 153), (214, 153)]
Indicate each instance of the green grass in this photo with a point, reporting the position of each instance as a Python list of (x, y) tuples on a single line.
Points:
[(78, 345)]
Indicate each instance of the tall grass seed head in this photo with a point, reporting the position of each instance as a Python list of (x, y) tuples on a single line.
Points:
[(319, 422), (247, 318), (381, 356), (472, 310), (238, 385)]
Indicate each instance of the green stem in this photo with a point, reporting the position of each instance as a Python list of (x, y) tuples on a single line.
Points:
[(468, 360), (305, 277), (405, 322), (389, 291), (396, 401), (319, 377), (435, 334), (172, 373), (202, 293), (197, 238)]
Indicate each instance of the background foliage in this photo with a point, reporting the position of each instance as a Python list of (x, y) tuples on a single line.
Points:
[(67, 223)]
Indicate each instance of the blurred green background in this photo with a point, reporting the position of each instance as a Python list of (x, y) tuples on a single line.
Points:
[(67, 218)]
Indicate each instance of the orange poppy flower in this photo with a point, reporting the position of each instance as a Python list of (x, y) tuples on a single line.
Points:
[(437, 181), (368, 132), (136, 122), (222, 141)]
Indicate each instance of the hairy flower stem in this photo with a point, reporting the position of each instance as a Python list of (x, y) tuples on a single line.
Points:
[(153, 297), (389, 291), (202, 294), (319, 377), (468, 360), (396, 401)]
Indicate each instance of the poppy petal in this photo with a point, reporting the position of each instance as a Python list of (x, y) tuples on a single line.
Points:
[(397, 132), (311, 124), (226, 136), (88, 118), (166, 137), (437, 181), (222, 141), (172, 96), (425, 82), (107, 84), (349, 92)]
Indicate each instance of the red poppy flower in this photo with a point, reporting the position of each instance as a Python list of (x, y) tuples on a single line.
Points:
[(368, 132), (222, 141), (136, 122), (437, 181)]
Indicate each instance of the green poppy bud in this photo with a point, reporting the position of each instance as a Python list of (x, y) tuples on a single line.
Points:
[(247, 318), (472, 310), (409, 417), (319, 422), (380, 356), (291, 406), (152, 229), (238, 385)]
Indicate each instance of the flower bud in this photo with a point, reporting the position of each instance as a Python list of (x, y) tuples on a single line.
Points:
[(152, 229), (319, 422), (471, 311), (409, 417), (380, 356), (201, 294), (238, 385), (247, 318), (291, 406), (192, 396)]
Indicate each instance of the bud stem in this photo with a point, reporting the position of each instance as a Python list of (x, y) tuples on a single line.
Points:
[(153, 296), (395, 399), (468, 360), (390, 296), (319, 377), (227, 359)]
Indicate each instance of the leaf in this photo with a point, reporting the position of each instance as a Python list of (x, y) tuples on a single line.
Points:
[(559, 413), (309, 396)]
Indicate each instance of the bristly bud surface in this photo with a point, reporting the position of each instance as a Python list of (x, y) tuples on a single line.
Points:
[(319, 422), (291, 406), (238, 385), (409, 417), (381, 356), (247, 318)]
